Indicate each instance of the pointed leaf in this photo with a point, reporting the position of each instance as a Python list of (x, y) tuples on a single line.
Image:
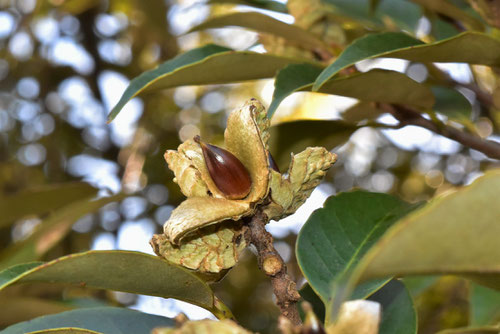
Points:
[(398, 88), (398, 312), (370, 46), (451, 103), (459, 233), (450, 11), (17, 308), (292, 78), (468, 47), (484, 306), (109, 320), (362, 111), (294, 137), (334, 238), (65, 330), (126, 271), (43, 199), (308, 294), (266, 24), (12, 273), (51, 231), (210, 64), (403, 13)]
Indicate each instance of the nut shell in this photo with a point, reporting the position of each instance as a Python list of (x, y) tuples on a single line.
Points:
[(228, 173)]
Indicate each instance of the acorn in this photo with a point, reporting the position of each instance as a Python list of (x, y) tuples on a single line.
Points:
[(272, 163), (228, 173)]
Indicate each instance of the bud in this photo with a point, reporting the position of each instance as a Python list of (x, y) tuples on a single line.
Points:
[(227, 172)]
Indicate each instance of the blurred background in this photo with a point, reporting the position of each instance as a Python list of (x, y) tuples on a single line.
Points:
[(65, 63)]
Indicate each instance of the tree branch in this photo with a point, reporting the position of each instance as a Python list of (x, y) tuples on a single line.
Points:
[(408, 116), (271, 263)]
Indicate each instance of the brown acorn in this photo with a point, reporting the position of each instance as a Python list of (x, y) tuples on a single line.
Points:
[(227, 172), (273, 163)]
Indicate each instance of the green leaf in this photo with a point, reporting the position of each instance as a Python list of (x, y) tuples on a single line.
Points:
[(262, 4), (308, 294), (416, 285), (398, 313), (451, 103), (43, 199), (65, 330), (468, 47), (398, 88), (266, 24), (471, 330), (451, 11), (126, 271), (17, 308), (292, 78), (459, 233), (51, 231), (296, 136), (484, 306), (334, 238), (370, 46), (362, 111), (404, 14), (109, 320), (210, 64), (11, 274)]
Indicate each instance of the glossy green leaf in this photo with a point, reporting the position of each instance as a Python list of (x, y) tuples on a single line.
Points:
[(65, 330), (108, 320), (12, 273), (403, 13), (370, 46), (362, 111), (126, 271), (416, 285), (296, 136), (292, 78), (264, 23), (262, 4), (335, 237), (43, 199), (398, 88), (451, 103), (468, 47), (398, 313), (17, 308), (51, 231), (449, 10), (210, 64), (484, 305), (308, 294), (472, 330), (459, 233)]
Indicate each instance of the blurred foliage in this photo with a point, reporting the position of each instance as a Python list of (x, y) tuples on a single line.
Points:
[(65, 63)]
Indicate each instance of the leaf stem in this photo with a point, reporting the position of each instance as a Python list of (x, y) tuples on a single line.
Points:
[(271, 263)]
